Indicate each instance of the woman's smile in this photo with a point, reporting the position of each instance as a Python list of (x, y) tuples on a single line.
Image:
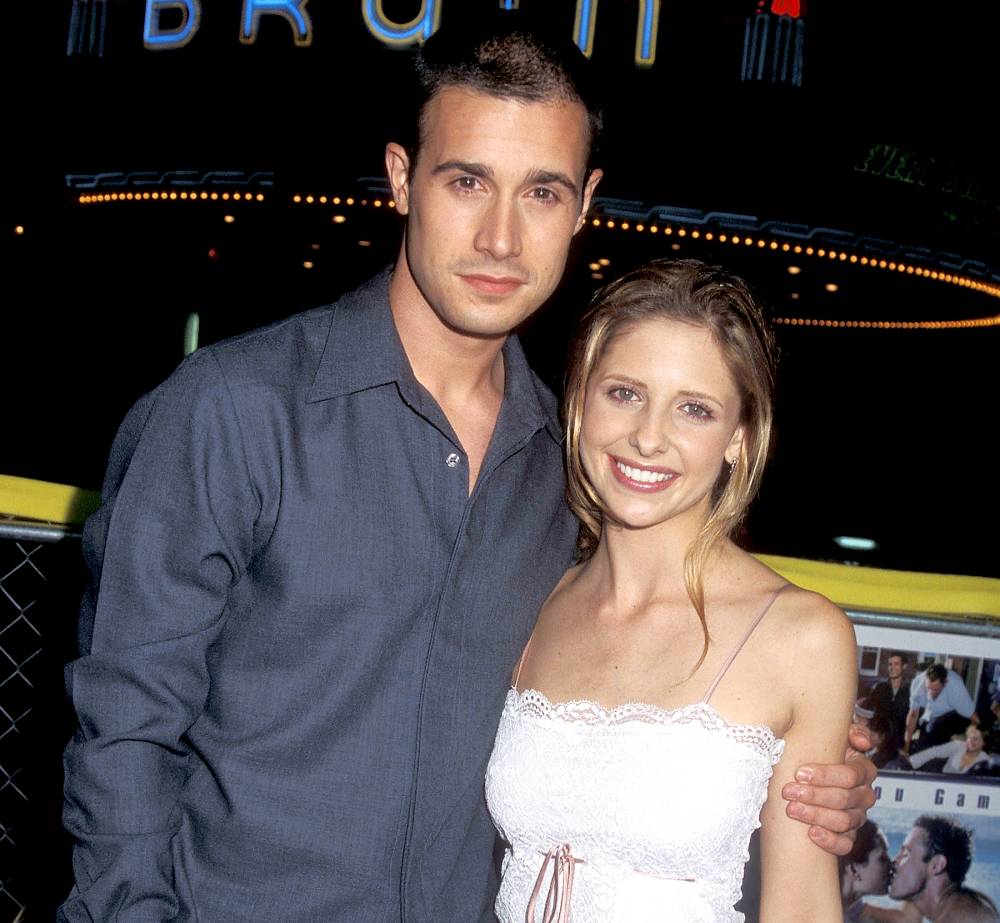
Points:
[(645, 478)]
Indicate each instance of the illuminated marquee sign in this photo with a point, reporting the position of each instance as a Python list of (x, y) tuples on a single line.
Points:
[(156, 38), (397, 34)]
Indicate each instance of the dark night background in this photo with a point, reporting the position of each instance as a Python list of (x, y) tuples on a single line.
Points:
[(882, 433), (886, 149)]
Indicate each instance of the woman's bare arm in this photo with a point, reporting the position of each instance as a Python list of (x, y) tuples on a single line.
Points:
[(817, 661)]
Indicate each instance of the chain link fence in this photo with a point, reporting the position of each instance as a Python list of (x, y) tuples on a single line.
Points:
[(41, 579)]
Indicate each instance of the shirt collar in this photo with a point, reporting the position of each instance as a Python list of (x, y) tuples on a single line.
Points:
[(525, 393), (363, 350)]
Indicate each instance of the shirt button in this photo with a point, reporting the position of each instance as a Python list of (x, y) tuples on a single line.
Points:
[(452, 460)]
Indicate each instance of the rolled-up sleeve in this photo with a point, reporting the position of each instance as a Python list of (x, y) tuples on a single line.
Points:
[(959, 696), (164, 552)]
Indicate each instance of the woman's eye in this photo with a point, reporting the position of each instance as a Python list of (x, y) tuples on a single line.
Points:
[(696, 410), (624, 395)]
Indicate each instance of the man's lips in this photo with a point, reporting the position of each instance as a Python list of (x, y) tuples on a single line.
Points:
[(645, 478), (491, 285)]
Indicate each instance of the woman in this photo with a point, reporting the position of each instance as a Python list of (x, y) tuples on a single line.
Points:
[(864, 870), (960, 755), (669, 670)]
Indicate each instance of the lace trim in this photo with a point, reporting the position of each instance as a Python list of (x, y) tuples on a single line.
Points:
[(535, 704)]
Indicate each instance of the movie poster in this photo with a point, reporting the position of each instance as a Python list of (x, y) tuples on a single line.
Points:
[(959, 784)]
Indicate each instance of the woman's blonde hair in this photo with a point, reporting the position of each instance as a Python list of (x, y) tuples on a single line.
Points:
[(689, 292)]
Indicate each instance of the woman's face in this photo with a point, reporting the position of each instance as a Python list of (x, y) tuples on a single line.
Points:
[(661, 418), (872, 875), (974, 740)]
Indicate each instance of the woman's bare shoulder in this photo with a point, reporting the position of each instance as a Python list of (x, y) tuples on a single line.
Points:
[(795, 605), (564, 589), (569, 579), (807, 605), (818, 658), (812, 624)]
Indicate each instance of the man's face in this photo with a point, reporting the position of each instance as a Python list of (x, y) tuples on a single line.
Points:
[(496, 195), (934, 687), (895, 667), (910, 869)]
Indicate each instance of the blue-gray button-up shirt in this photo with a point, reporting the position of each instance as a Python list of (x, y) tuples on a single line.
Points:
[(299, 631)]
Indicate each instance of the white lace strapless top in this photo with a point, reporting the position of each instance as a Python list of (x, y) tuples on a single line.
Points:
[(651, 810)]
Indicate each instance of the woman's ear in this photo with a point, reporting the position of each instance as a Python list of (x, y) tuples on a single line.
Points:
[(735, 447)]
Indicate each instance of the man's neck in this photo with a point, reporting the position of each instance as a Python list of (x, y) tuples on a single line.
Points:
[(465, 374), (450, 364), (933, 902)]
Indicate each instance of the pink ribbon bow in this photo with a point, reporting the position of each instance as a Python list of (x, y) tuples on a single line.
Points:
[(560, 893)]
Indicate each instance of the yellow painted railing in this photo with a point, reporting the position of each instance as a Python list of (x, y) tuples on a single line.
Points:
[(880, 590), (25, 498), (851, 587)]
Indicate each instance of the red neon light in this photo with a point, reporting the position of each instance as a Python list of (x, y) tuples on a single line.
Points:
[(791, 8)]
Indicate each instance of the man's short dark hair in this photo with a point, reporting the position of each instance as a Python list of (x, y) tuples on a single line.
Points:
[(898, 654), (947, 837), (506, 54), (937, 673)]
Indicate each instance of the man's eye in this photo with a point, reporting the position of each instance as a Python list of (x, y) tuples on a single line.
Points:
[(543, 194), (466, 183)]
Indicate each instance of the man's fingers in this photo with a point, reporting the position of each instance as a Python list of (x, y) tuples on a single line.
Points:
[(838, 844), (842, 775), (859, 760), (834, 799), (832, 820), (859, 738), (861, 797)]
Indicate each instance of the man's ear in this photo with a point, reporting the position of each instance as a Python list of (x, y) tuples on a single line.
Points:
[(937, 864), (397, 169), (588, 193)]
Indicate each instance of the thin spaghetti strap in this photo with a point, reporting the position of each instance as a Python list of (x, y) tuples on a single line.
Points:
[(520, 663), (746, 636)]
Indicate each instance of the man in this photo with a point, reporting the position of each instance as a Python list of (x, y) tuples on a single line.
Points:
[(930, 868), (891, 699), (323, 547), (947, 708)]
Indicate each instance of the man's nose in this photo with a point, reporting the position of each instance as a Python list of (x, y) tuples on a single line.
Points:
[(499, 234)]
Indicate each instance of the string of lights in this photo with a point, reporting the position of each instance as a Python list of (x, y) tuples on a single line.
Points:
[(670, 230), (163, 195)]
